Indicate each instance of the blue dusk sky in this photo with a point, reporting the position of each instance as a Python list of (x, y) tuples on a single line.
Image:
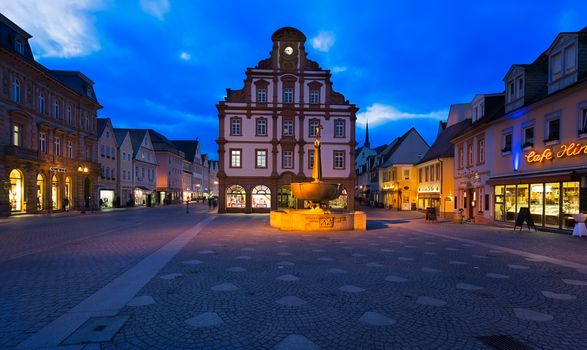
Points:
[(165, 64)]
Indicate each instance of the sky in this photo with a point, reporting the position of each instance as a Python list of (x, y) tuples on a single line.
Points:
[(165, 64)]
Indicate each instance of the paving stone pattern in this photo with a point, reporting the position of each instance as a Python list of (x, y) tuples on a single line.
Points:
[(377, 290)]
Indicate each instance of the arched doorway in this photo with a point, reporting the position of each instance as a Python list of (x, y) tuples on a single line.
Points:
[(40, 192), (342, 202), (236, 197), (261, 197), (16, 191), (68, 193), (55, 195)]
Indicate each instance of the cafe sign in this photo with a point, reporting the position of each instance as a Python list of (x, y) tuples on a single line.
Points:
[(565, 151)]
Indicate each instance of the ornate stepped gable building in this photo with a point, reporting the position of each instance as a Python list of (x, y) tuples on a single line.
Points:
[(267, 129), (48, 137)]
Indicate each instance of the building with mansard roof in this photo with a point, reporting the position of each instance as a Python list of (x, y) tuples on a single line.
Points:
[(267, 130), (48, 132)]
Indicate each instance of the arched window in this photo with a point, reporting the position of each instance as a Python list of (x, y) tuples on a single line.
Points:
[(285, 198), (236, 197), (261, 197), (16, 192), (40, 192), (341, 202), (16, 90), (56, 113), (55, 193)]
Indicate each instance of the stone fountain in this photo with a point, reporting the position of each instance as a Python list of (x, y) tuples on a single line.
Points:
[(318, 193)]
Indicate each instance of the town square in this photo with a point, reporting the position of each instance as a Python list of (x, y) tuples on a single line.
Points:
[(341, 176)]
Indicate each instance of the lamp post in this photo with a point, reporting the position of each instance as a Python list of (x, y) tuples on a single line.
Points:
[(198, 190), (83, 170)]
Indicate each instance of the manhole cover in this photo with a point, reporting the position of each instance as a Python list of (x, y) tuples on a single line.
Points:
[(96, 330), (503, 342)]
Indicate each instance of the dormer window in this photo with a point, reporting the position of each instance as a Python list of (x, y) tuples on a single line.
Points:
[(520, 84), (570, 59), (556, 63), (18, 46), (89, 91), (511, 91)]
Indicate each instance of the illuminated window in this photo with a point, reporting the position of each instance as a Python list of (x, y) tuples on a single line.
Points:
[(235, 197), (40, 192), (16, 191), (235, 158), (261, 197), (16, 135), (261, 158)]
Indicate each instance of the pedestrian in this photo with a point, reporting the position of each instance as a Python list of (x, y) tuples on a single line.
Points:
[(210, 202)]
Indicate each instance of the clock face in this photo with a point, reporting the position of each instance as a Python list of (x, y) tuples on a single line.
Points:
[(288, 50)]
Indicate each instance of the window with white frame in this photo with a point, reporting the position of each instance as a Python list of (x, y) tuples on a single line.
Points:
[(261, 127), (288, 128), (469, 154), (314, 96), (461, 157), (552, 129), (235, 158), (69, 116), (235, 126), (56, 110), (511, 91), (288, 95), (313, 125), (43, 142), (520, 85), (287, 159), (339, 126), (481, 151), (57, 146), (261, 95), (338, 159), (70, 149), (15, 90), (261, 158)]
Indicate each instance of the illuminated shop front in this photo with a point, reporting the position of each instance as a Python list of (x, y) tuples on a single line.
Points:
[(429, 196)]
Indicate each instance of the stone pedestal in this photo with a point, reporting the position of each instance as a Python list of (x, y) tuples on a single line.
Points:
[(308, 221)]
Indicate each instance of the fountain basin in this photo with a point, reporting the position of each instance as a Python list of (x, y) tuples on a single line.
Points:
[(308, 221), (315, 191)]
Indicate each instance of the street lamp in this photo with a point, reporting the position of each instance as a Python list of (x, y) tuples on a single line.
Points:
[(83, 170)]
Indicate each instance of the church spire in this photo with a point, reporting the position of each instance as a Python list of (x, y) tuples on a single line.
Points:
[(367, 143)]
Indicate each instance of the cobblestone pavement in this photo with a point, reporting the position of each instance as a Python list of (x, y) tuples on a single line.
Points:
[(241, 284), (50, 264)]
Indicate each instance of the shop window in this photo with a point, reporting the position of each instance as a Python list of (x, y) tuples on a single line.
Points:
[(285, 198), (287, 160), (40, 192), (570, 203), (236, 197), (552, 204), (16, 191), (261, 197), (261, 127), (552, 129), (261, 158), (510, 203), (55, 193), (288, 128), (68, 192), (498, 201), (235, 126), (537, 202), (235, 158)]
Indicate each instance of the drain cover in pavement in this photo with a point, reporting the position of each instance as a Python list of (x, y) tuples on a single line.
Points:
[(96, 330), (503, 342)]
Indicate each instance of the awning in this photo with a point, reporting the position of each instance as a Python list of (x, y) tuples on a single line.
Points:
[(531, 178), (143, 188)]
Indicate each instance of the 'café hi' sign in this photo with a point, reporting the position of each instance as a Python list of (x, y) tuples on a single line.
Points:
[(571, 150)]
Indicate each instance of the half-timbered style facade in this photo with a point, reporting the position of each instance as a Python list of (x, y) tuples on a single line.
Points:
[(267, 129)]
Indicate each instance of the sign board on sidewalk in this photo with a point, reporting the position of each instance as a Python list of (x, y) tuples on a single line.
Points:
[(524, 216)]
